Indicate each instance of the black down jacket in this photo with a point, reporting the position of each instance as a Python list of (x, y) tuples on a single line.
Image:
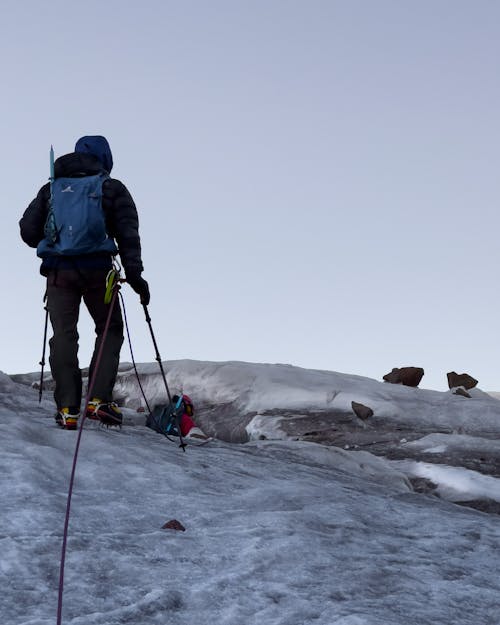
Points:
[(120, 214)]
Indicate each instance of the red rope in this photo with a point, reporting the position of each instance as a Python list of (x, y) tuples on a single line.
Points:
[(75, 458)]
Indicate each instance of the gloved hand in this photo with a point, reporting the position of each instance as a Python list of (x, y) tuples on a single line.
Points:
[(141, 287)]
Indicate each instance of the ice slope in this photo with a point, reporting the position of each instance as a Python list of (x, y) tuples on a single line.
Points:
[(277, 532)]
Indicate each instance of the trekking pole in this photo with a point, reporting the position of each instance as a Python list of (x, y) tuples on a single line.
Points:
[(138, 377), (42, 361), (158, 358), (51, 230)]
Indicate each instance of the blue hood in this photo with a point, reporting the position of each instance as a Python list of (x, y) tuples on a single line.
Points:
[(97, 146)]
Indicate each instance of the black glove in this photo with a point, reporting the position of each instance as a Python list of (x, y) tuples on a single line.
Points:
[(141, 287)]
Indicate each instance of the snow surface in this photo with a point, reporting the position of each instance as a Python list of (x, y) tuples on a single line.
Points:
[(278, 532)]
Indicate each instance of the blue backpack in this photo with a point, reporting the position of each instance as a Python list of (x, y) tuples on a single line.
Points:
[(75, 224)]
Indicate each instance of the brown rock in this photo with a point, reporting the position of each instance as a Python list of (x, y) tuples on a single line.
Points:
[(408, 376), (361, 411), (392, 377), (462, 379), (461, 391), (174, 525)]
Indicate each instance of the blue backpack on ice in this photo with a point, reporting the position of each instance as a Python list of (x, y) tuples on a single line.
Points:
[(75, 224)]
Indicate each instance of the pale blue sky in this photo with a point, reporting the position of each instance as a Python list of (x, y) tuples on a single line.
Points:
[(317, 182)]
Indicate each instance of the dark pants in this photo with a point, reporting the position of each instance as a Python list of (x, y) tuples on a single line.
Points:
[(65, 289)]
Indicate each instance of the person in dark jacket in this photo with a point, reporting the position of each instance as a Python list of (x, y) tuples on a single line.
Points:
[(71, 278)]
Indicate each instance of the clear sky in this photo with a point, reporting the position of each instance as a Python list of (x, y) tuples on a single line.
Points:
[(317, 181)]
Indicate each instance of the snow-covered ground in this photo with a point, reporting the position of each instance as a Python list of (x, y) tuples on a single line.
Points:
[(278, 531), (256, 389)]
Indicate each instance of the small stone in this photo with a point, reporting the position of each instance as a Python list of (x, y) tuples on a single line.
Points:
[(174, 525), (461, 391), (361, 411)]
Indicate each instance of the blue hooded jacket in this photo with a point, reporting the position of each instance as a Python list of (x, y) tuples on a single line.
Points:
[(97, 146)]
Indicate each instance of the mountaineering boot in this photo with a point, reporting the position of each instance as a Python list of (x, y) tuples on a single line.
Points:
[(107, 413), (92, 406), (67, 417)]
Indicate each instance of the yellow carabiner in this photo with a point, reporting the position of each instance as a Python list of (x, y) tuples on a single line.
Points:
[(111, 280)]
